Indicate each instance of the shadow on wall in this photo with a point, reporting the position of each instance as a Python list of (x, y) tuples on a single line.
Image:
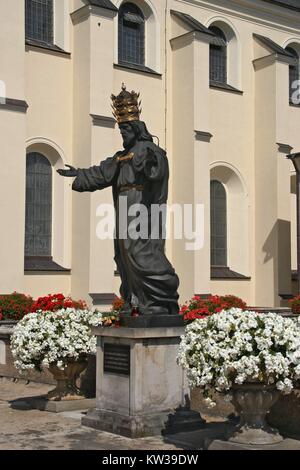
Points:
[(277, 247)]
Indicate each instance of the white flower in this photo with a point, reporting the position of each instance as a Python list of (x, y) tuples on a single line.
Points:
[(236, 346), (43, 338)]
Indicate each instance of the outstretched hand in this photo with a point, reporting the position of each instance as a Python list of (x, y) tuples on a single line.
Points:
[(72, 172)]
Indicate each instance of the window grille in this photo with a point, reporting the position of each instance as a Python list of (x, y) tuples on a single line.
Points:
[(218, 217), (39, 20), (38, 224), (294, 74), (131, 35), (218, 57)]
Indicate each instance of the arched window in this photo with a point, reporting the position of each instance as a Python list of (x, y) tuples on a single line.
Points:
[(39, 20), (294, 74), (218, 218), (131, 34), (218, 57), (38, 226)]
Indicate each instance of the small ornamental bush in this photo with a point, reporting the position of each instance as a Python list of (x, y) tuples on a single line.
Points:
[(200, 308), (15, 306), (46, 338), (295, 304), (54, 302), (117, 304), (236, 347), (112, 318)]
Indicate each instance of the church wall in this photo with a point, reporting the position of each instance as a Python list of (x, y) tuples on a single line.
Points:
[(12, 137), (82, 131), (63, 91), (232, 123)]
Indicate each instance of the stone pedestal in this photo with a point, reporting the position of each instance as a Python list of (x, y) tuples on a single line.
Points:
[(141, 391)]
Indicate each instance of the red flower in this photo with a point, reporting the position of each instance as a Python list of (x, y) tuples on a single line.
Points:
[(55, 302), (200, 308), (117, 304)]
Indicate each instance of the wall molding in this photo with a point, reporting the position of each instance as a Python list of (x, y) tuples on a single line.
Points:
[(203, 136), (83, 13), (284, 148), (103, 121), (12, 104), (103, 299)]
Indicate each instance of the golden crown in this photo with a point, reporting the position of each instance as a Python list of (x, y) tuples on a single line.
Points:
[(126, 106)]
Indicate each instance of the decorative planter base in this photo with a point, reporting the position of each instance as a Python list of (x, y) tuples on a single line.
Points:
[(42, 404), (66, 388), (253, 402)]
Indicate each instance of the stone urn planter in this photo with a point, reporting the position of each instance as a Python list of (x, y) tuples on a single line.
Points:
[(253, 402), (66, 388)]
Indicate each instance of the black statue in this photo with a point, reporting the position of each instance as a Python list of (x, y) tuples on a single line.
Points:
[(140, 172)]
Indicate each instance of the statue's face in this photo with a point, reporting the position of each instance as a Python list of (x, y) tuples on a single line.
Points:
[(127, 133)]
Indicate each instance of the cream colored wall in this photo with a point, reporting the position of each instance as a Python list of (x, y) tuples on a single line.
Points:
[(12, 137), (232, 123), (12, 49), (102, 266), (38, 285), (240, 288), (81, 156), (12, 201), (266, 227), (49, 129), (183, 150), (63, 91), (106, 79)]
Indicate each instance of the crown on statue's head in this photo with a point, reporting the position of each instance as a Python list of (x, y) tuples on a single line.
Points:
[(126, 106)]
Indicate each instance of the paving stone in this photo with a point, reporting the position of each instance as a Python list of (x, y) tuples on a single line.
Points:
[(39, 430)]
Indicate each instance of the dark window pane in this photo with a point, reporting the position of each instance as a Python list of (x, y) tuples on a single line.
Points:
[(39, 20), (38, 227), (218, 57), (131, 34), (294, 74), (218, 229)]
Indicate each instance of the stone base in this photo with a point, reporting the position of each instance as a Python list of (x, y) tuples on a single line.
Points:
[(183, 420), (285, 414), (286, 444), (145, 425), (258, 437), (141, 389), (42, 404), (124, 425), (151, 321), (214, 436)]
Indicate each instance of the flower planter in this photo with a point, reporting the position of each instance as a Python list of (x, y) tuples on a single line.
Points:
[(60, 342), (253, 402), (8, 323), (66, 388), (285, 414), (237, 347), (7, 367)]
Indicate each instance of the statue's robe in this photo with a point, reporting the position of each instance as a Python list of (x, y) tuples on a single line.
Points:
[(148, 278)]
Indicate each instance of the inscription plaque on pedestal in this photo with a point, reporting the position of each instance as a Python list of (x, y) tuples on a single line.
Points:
[(141, 390), (117, 359)]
